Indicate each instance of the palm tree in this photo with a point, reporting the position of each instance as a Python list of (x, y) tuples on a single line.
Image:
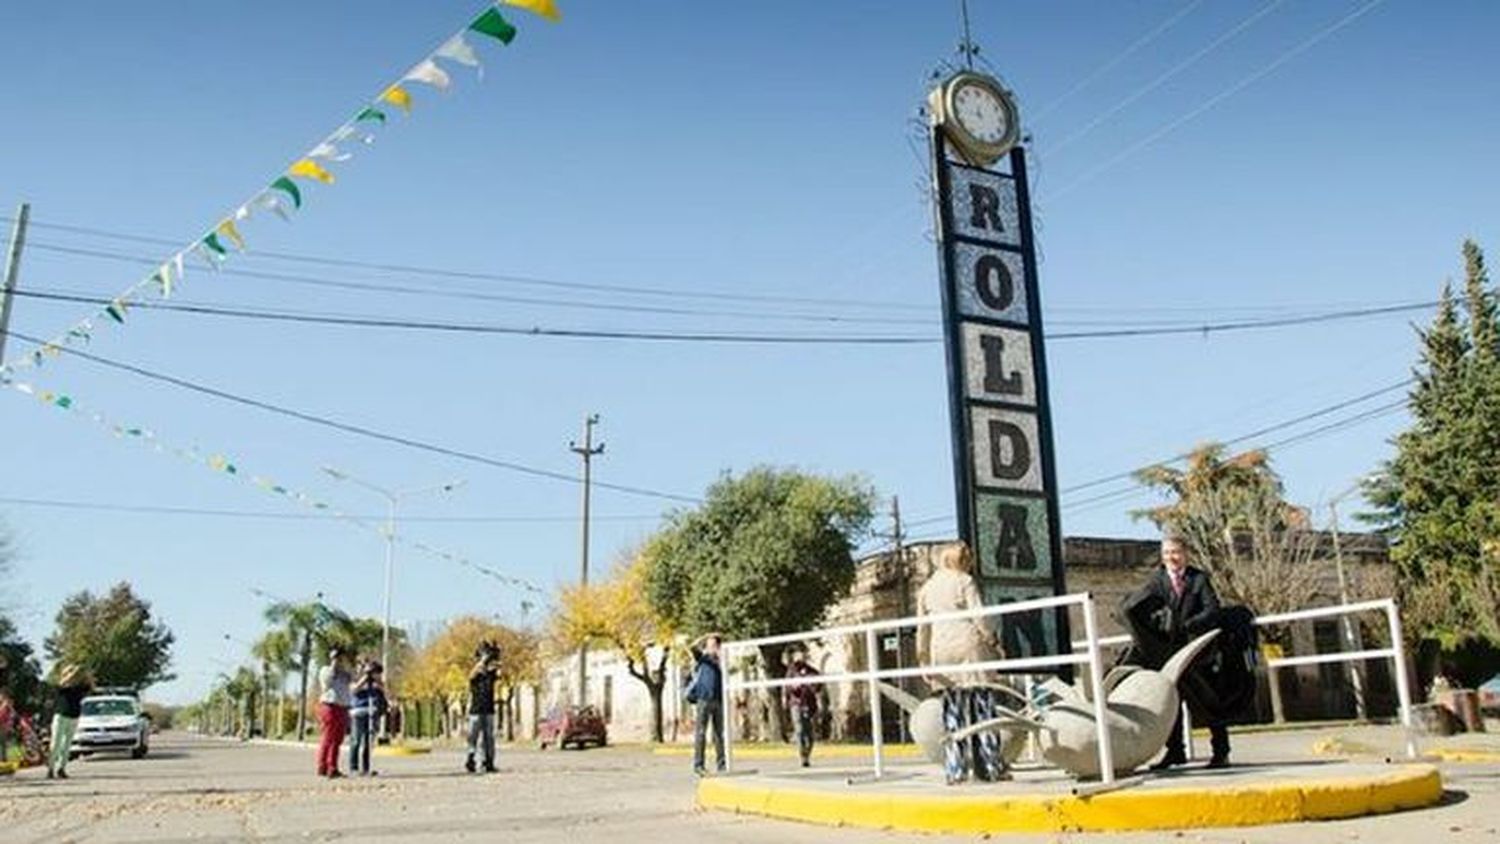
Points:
[(307, 624), (277, 654)]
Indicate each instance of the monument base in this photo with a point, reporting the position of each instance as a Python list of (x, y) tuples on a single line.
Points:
[(914, 798)]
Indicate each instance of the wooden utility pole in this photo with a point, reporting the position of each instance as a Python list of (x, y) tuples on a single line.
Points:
[(12, 270), (588, 451)]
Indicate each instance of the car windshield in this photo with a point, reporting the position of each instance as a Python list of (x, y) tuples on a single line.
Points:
[(108, 706)]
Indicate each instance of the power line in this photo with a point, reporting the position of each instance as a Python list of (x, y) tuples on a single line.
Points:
[(358, 430), (1135, 47), (357, 321), (172, 510), (513, 330), (1269, 429), (1219, 97), (1181, 66), (500, 277), (374, 287)]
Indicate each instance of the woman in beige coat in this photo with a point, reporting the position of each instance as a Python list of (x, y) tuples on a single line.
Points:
[(951, 588)]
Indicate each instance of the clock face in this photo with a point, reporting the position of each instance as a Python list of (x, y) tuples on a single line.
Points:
[(981, 113)]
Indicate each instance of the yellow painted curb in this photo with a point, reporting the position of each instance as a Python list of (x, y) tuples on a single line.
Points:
[(820, 751), (1345, 747), (401, 750), (1139, 809), (1449, 755)]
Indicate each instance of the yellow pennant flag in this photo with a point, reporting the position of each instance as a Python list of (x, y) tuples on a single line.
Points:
[(397, 96), (312, 170), (545, 8), (228, 229)]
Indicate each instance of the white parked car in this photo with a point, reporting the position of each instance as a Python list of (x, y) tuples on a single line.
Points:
[(112, 722)]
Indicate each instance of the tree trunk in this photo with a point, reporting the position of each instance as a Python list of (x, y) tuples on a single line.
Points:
[(302, 694), (654, 681), (770, 656)]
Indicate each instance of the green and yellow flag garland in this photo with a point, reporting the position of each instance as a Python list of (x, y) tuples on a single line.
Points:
[(283, 195)]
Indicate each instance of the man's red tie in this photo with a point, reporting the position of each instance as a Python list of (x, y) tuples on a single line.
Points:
[(1177, 583)]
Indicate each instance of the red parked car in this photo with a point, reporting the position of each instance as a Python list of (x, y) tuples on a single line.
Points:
[(576, 725)]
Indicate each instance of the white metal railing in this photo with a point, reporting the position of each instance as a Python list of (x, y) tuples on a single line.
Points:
[(1395, 653), (1091, 658)]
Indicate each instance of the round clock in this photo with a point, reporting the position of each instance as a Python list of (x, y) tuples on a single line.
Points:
[(979, 115)]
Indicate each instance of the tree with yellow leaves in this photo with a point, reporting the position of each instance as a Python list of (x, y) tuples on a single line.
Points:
[(617, 613), (440, 671)]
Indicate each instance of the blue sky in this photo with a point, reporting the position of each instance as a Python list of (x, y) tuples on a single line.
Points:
[(708, 149)]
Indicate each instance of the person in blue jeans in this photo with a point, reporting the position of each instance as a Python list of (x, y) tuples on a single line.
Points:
[(368, 704), (706, 692)]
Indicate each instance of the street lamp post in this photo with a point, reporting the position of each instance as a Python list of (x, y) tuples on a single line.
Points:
[(392, 498)]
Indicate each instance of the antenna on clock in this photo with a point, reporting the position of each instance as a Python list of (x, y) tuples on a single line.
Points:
[(966, 47)]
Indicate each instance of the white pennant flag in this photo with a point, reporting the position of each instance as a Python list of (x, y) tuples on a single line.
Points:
[(177, 261), (458, 50), (273, 202), (329, 151), (429, 73), (164, 278)]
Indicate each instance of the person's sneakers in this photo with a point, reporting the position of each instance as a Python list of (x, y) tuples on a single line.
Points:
[(62, 775), (699, 771), (335, 774), (1219, 762), (1171, 760), (469, 764), (50, 775), (806, 764)]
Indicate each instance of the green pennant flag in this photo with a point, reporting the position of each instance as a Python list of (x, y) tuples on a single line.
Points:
[(370, 113), (212, 242), (63, 402), (289, 187), (279, 489), (116, 311), (493, 24)]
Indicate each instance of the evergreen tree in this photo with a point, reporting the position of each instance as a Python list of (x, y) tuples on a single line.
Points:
[(1439, 497)]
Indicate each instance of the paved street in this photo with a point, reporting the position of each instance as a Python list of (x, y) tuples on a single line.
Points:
[(196, 789)]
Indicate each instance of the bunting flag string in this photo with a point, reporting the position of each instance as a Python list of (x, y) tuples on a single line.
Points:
[(283, 195), (223, 464)]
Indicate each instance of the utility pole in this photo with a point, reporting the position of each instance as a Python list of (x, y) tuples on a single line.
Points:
[(12, 270), (588, 451)]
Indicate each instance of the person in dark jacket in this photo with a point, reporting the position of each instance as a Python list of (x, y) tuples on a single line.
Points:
[(1176, 605), (73, 685), (367, 705), (802, 702), (706, 693), (482, 678)]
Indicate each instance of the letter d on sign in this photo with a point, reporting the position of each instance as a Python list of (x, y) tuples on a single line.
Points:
[(1008, 464)]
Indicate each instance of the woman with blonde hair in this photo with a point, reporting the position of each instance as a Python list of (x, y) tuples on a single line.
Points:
[(967, 696), (951, 588)]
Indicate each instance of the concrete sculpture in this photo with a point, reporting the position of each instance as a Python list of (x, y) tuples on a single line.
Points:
[(1140, 704)]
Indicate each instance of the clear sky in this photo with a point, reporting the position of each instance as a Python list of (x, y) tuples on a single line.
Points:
[(752, 149)]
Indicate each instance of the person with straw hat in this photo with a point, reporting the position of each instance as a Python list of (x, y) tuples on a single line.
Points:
[(73, 683)]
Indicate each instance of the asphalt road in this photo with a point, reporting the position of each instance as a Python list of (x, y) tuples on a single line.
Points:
[(198, 789)]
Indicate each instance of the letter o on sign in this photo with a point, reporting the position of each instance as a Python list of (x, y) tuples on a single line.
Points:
[(993, 282)]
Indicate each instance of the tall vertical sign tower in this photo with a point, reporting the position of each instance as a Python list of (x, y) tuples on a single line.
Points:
[(1003, 468)]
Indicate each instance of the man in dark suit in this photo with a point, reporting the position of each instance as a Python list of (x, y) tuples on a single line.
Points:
[(1176, 605)]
